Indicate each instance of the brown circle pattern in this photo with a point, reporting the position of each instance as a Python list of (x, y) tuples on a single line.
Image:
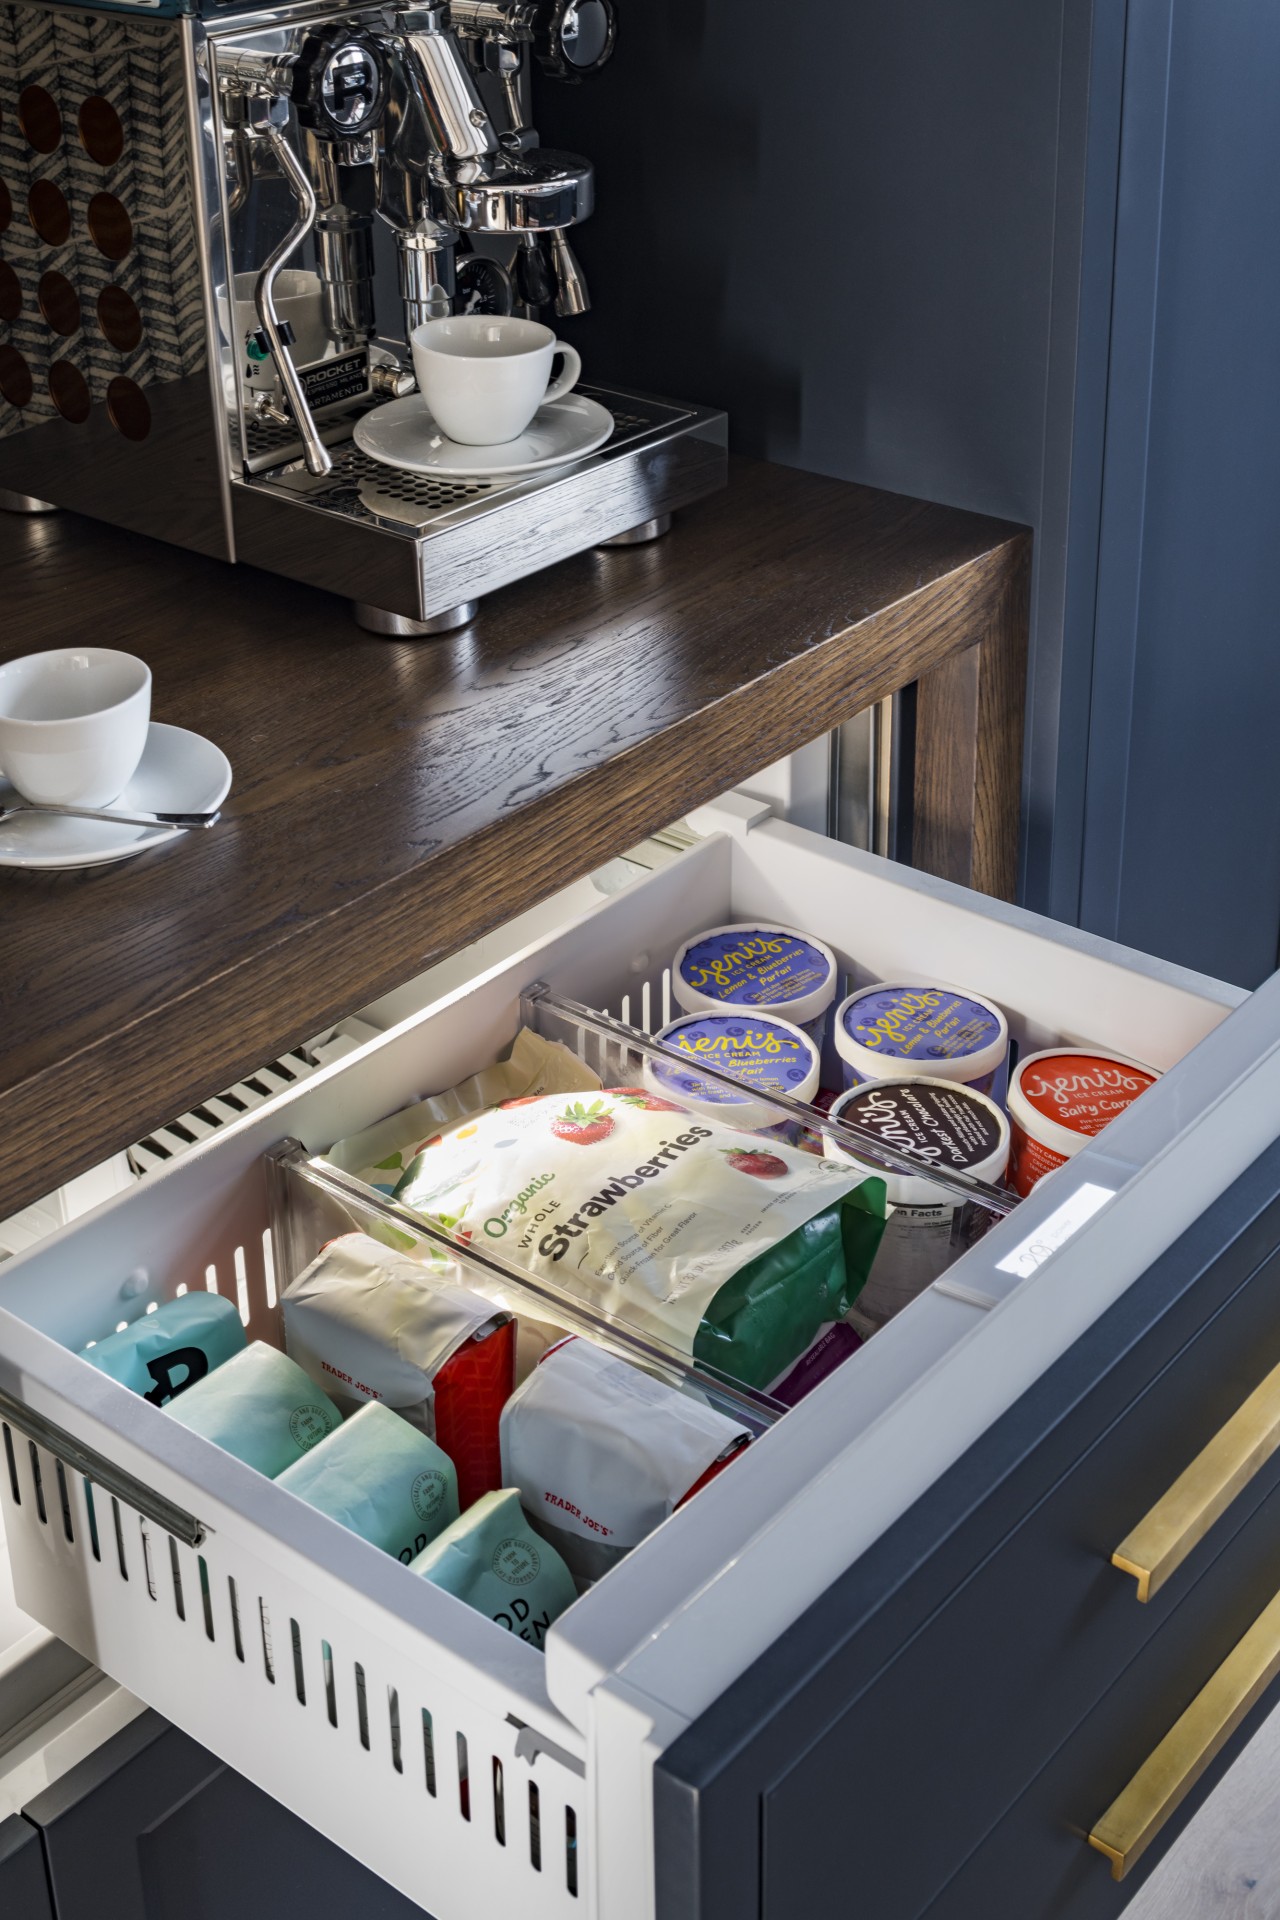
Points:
[(128, 408), (110, 227), (119, 319), (101, 134), (16, 383), (6, 207), (59, 302), (39, 118), (69, 391), (10, 292), (49, 213)]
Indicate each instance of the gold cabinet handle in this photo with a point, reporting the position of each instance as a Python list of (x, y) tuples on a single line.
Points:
[(1164, 1780), (1180, 1519)]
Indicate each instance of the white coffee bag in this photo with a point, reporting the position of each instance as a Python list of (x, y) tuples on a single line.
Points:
[(602, 1453), (368, 1323)]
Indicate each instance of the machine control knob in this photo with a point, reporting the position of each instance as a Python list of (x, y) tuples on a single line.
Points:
[(339, 84)]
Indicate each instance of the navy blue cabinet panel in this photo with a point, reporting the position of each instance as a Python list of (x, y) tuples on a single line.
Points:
[(862, 1761), (24, 1888), (1018, 258), (151, 1827), (860, 227), (1182, 843)]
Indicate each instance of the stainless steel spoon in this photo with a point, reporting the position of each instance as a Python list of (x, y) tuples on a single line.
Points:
[(185, 820)]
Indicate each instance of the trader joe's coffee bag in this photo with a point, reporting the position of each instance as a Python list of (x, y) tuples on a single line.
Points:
[(724, 1247), (602, 1453), (370, 1324)]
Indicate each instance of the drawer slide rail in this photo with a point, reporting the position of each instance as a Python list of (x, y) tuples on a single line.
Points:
[(104, 1473)]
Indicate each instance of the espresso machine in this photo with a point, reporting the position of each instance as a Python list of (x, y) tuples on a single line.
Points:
[(218, 231)]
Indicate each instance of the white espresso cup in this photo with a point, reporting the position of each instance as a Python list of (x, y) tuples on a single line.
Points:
[(297, 300), (73, 723), (484, 377)]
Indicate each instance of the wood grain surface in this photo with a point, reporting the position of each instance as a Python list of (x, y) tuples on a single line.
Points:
[(395, 800), (1225, 1864), (968, 750)]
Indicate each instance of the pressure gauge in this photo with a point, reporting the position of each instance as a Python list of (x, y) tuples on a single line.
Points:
[(483, 286), (573, 38)]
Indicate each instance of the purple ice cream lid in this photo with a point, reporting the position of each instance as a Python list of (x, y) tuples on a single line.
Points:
[(767, 1056), (923, 1025), (756, 967)]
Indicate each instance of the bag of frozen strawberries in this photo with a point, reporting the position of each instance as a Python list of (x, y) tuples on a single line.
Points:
[(726, 1247)]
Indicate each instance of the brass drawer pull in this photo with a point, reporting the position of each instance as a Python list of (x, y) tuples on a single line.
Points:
[(1180, 1519), (1164, 1780)]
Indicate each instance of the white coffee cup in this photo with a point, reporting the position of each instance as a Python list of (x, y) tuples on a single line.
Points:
[(297, 296), (484, 376), (73, 723)]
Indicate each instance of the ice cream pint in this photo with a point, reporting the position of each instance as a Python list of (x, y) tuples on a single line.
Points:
[(754, 968), (902, 1030), (1061, 1098), (953, 1128), (767, 1055), (602, 1453)]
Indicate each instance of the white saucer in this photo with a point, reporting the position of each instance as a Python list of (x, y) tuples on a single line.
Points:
[(179, 772), (403, 434)]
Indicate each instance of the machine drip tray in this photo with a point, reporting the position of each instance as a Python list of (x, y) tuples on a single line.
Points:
[(420, 547), (367, 491)]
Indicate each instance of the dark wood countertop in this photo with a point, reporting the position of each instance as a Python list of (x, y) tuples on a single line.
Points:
[(394, 800)]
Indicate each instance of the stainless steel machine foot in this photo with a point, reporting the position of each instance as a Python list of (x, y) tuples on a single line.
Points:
[(636, 536), (398, 626), (24, 503)]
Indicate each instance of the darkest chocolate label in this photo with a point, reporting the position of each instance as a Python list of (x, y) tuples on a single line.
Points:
[(939, 1126)]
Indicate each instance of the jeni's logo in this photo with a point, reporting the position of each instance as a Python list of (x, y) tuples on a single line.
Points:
[(716, 970), (1066, 1086), (749, 1040)]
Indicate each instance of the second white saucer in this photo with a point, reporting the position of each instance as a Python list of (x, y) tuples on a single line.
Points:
[(179, 772), (403, 434)]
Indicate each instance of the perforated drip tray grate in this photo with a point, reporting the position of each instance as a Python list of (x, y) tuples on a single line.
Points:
[(268, 440), (363, 489)]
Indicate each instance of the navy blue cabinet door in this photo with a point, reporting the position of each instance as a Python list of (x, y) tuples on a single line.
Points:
[(979, 1686), (24, 1889), (151, 1827)]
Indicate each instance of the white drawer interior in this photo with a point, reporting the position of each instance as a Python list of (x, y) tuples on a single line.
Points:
[(202, 1222)]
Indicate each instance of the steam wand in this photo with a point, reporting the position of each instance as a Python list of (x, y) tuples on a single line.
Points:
[(267, 116)]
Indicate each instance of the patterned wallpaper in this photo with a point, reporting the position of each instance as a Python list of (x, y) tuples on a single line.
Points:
[(96, 226)]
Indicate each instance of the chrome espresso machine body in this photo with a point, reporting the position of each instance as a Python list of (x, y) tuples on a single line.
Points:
[(217, 232)]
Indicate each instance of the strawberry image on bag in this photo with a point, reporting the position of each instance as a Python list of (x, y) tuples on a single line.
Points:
[(731, 1251)]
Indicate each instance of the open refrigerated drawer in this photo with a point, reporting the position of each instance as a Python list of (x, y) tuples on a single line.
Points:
[(465, 1768)]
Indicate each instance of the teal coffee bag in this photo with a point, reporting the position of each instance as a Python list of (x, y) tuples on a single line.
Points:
[(493, 1560), (260, 1406), (382, 1478), (167, 1351)]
